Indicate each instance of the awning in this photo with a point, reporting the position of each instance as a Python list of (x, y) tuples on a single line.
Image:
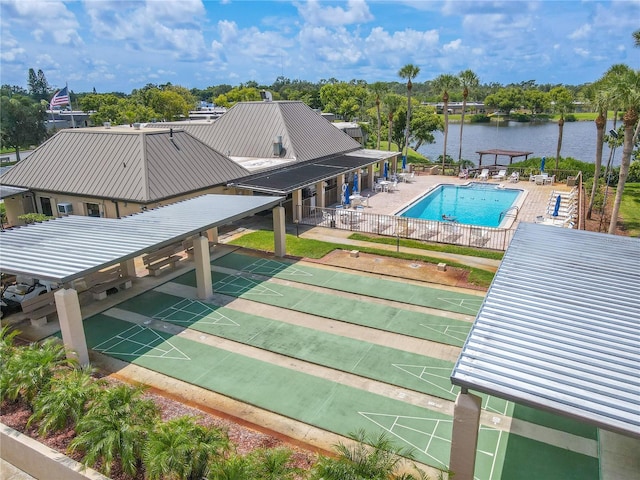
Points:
[(71, 247)]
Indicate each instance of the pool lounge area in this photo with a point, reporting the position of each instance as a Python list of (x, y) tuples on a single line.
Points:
[(378, 210)]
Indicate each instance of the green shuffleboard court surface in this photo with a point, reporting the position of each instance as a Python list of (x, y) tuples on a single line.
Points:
[(325, 404), (359, 312), (350, 282)]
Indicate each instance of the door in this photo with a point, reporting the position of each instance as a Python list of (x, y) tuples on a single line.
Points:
[(45, 206)]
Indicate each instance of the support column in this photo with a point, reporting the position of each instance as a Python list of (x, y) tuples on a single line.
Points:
[(279, 232), (128, 268), (70, 319), (464, 438), (340, 183), (320, 195), (296, 200), (370, 177), (202, 260), (212, 235)]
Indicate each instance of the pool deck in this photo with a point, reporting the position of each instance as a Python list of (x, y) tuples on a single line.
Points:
[(533, 205)]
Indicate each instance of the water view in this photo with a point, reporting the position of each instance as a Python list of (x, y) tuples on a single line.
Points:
[(578, 141)]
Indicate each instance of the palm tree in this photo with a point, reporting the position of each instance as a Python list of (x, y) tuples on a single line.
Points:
[(391, 102), (636, 38), (368, 458), (30, 370), (115, 428), (273, 464), (562, 100), (443, 83), (66, 402), (599, 100), (181, 448), (468, 80), (236, 467), (626, 91), (409, 72), (378, 88)]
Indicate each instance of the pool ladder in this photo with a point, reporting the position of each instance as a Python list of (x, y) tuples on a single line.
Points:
[(506, 213)]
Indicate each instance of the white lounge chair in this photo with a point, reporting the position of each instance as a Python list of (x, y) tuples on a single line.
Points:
[(484, 175), (501, 175), (514, 177), (479, 237)]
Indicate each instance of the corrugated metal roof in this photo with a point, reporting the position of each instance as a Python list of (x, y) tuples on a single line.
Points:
[(73, 246), (560, 327), (293, 177), (130, 165), (249, 129)]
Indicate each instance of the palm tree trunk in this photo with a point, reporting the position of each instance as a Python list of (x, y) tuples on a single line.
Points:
[(379, 122), (390, 130), (560, 130), (445, 99), (601, 121), (464, 109), (629, 137)]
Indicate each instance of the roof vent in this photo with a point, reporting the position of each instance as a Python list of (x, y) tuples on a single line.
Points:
[(277, 146), (266, 96)]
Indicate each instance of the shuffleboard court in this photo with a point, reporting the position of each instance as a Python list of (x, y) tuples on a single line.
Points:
[(356, 311), (350, 282), (320, 402)]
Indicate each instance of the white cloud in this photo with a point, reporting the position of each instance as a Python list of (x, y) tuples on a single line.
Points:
[(582, 32), (582, 52), (314, 13), (45, 19), (10, 49)]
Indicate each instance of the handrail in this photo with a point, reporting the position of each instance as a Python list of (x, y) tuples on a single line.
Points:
[(504, 213)]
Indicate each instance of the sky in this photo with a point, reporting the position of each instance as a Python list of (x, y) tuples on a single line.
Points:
[(121, 45)]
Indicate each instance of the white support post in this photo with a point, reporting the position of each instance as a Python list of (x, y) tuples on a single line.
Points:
[(279, 232), (464, 438), (202, 260), (70, 318)]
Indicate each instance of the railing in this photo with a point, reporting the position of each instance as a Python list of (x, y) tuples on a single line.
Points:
[(358, 220), (505, 213)]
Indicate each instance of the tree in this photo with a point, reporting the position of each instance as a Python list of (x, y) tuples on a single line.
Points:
[(536, 101), (562, 103), (38, 86), (391, 103), (237, 94), (636, 38), (505, 99), (22, 123), (443, 83), (424, 122), (409, 72), (625, 90), (115, 427), (378, 88), (342, 98), (468, 80), (183, 449)]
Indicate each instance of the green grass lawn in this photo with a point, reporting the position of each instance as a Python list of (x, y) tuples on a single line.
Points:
[(630, 209), (262, 240)]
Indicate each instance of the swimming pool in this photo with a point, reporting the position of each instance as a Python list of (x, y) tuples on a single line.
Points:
[(474, 204)]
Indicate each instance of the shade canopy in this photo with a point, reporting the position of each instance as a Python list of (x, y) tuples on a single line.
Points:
[(558, 329), (71, 247)]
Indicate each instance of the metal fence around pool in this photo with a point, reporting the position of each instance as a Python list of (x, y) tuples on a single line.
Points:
[(358, 220)]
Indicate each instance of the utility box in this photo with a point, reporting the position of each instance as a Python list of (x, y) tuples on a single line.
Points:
[(571, 181), (65, 208)]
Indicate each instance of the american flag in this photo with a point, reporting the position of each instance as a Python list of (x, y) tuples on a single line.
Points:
[(60, 98)]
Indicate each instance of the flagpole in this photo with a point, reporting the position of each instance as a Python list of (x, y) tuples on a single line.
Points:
[(73, 121)]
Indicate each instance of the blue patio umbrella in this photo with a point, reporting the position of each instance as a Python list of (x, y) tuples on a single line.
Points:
[(346, 194), (355, 183), (404, 162), (556, 209), (542, 162), (386, 170)]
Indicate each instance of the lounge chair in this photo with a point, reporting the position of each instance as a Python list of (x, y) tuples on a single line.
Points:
[(479, 237), (464, 173), (501, 175), (451, 232), (484, 175), (514, 177)]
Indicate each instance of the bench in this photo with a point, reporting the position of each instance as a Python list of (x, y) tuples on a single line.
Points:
[(37, 308), (187, 246), (99, 283), (162, 260)]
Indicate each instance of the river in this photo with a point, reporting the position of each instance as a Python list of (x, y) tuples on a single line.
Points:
[(578, 141)]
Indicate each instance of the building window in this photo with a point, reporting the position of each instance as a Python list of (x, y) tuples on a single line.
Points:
[(45, 205), (93, 209)]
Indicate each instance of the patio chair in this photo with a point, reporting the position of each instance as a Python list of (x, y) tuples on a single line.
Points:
[(464, 173), (479, 237), (514, 177), (501, 175), (394, 186), (484, 175)]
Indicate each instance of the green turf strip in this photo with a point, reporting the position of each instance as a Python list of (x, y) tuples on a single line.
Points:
[(396, 367), (354, 283), (359, 312)]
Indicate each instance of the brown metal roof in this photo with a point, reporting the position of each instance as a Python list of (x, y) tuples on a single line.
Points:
[(123, 164), (249, 129)]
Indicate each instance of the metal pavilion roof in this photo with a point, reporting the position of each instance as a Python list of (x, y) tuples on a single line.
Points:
[(71, 247), (287, 179), (560, 327)]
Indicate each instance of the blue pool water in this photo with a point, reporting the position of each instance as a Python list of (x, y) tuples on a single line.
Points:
[(473, 204)]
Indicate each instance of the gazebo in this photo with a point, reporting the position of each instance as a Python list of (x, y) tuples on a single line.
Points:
[(505, 153)]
